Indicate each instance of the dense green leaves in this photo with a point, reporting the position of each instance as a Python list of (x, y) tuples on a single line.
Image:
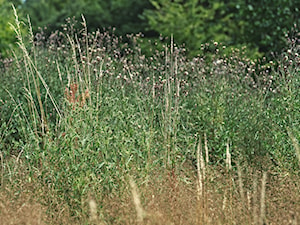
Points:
[(124, 15), (54, 13), (260, 25), (263, 23), (192, 22)]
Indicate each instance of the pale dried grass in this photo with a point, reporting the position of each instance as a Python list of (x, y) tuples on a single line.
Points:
[(268, 198), (23, 210)]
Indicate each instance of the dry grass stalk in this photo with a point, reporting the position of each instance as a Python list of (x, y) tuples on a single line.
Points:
[(262, 199), (249, 200), (228, 157), (153, 88), (206, 148), (296, 145), (88, 77), (224, 201), (200, 186), (199, 169), (255, 200), (2, 168), (241, 187), (141, 214), (93, 210), (32, 69), (202, 165)]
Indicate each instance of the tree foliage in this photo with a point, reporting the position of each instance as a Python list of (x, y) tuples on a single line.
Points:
[(52, 14), (121, 14), (258, 24), (192, 22), (263, 22)]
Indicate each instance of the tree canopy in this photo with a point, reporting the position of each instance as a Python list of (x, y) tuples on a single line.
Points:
[(121, 14), (193, 22), (257, 24)]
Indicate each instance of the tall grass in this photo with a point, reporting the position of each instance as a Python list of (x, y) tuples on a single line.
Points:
[(95, 132)]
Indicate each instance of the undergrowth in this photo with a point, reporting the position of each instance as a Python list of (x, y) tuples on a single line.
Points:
[(94, 132)]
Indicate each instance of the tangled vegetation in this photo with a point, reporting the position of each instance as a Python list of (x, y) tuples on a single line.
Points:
[(95, 132)]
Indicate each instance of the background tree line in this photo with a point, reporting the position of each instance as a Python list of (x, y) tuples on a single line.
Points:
[(258, 24)]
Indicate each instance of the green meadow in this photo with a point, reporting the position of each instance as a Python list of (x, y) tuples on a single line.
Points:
[(95, 129)]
